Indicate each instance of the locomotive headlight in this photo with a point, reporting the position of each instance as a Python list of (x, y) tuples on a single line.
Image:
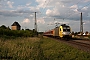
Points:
[(66, 33)]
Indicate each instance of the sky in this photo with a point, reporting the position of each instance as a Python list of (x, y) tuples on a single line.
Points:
[(49, 12)]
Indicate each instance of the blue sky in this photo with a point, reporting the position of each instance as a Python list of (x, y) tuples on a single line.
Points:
[(49, 12)]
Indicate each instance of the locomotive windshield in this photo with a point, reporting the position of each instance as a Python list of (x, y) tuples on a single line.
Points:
[(66, 28)]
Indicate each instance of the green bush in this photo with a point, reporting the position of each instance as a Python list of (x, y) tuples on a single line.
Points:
[(16, 33)]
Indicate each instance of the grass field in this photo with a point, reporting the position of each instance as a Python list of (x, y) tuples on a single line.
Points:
[(39, 49)]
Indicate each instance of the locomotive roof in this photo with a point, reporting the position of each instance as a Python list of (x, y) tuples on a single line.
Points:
[(64, 25)]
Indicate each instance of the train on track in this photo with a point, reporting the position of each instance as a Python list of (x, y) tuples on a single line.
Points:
[(63, 31)]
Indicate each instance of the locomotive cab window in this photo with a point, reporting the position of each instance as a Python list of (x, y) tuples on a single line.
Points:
[(66, 29)]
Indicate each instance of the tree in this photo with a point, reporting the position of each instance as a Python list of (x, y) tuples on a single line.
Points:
[(8, 28), (3, 27), (72, 32), (86, 32)]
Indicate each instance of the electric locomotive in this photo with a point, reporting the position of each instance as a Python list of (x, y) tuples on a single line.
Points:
[(63, 31)]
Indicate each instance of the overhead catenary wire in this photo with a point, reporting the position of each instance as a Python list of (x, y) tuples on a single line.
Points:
[(45, 5), (78, 9), (69, 9)]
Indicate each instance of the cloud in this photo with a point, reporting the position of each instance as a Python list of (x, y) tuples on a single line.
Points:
[(3, 4), (7, 13), (53, 8), (41, 21), (28, 8), (26, 21), (28, 4), (85, 8), (69, 9), (53, 12), (15, 13), (87, 1), (10, 4), (4, 0), (34, 9), (41, 3), (74, 7), (59, 9)]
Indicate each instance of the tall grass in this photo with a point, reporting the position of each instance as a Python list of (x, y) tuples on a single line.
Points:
[(39, 49), (55, 50), (21, 48)]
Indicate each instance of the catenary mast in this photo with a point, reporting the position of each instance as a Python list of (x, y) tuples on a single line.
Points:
[(81, 25), (35, 23)]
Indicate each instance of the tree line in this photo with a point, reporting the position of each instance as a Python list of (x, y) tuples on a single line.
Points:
[(7, 32)]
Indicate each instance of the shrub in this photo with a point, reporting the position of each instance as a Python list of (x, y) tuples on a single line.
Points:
[(16, 33)]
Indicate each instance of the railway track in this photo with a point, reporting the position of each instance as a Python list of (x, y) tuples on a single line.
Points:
[(77, 44), (80, 45)]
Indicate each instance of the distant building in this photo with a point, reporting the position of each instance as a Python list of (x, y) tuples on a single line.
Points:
[(15, 26)]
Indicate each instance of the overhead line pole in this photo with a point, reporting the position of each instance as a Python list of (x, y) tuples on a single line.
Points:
[(35, 23), (81, 25)]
